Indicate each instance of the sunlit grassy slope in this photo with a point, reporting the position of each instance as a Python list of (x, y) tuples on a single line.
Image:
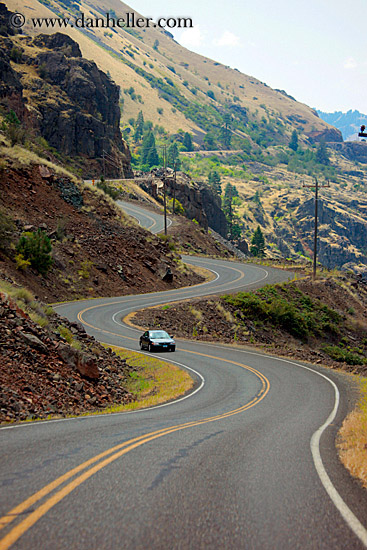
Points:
[(182, 102)]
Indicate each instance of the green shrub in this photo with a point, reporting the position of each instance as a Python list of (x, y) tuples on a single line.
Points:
[(293, 311), (85, 267), (36, 248), (7, 229), (65, 333), (113, 193), (344, 355)]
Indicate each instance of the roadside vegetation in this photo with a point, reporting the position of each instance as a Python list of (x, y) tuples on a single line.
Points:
[(152, 382), (352, 440)]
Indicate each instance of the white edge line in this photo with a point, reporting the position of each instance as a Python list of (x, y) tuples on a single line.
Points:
[(351, 520)]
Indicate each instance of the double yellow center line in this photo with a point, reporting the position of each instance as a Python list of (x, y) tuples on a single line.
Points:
[(76, 476), (92, 466)]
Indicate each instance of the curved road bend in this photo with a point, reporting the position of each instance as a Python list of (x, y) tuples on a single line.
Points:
[(146, 218), (236, 464)]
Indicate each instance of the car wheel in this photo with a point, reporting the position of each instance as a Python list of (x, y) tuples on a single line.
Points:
[(150, 347), (141, 346), (173, 348)]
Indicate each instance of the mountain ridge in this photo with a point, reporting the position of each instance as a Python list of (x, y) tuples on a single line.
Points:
[(348, 123), (187, 103)]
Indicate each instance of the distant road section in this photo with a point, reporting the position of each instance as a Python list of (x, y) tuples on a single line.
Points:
[(146, 218)]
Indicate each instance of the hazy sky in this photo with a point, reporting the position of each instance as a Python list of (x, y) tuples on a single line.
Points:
[(315, 50)]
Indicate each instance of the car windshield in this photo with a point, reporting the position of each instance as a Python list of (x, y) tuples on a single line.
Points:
[(159, 334)]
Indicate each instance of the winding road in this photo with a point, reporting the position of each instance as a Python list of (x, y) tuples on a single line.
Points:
[(246, 461)]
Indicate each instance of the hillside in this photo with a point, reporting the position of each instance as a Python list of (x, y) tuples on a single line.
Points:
[(178, 89), (95, 249), (348, 123), (166, 87), (48, 91), (50, 366), (272, 194), (323, 322)]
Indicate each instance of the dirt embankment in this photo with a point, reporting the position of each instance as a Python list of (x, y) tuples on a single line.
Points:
[(96, 249), (323, 322), (55, 370)]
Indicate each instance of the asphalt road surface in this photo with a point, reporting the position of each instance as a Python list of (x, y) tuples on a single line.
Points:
[(246, 461), (146, 218)]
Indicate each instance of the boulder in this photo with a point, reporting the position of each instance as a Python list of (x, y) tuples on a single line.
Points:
[(85, 364), (33, 341)]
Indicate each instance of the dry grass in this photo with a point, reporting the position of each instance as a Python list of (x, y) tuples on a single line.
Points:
[(202, 271), (225, 313), (101, 195), (196, 313), (352, 440), (24, 157), (154, 381)]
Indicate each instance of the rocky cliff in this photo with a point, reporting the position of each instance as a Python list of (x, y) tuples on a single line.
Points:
[(201, 204), (342, 234), (355, 151), (64, 98)]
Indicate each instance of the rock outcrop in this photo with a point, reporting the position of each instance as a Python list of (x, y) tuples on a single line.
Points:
[(42, 374), (352, 150), (330, 134), (342, 235), (201, 204), (65, 98)]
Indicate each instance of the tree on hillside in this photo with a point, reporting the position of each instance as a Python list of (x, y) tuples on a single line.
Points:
[(226, 131), (256, 198), (12, 127), (230, 202), (172, 154), (139, 126), (187, 142), (258, 243), (230, 191), (293, 144), (209, 142), (149, 153), (215, 182), (322, 155)]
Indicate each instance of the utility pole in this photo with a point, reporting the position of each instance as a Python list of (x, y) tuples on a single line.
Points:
[(316, 186), (174, 187), (164, 147)]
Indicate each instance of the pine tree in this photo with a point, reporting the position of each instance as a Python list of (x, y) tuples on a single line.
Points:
[(149, 153), (322, 155), (139, 127), (172, 154), (215, 182), (229, 204), (209, 142), (187, 142), (258, 243), (293, 144), (225, 131)]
